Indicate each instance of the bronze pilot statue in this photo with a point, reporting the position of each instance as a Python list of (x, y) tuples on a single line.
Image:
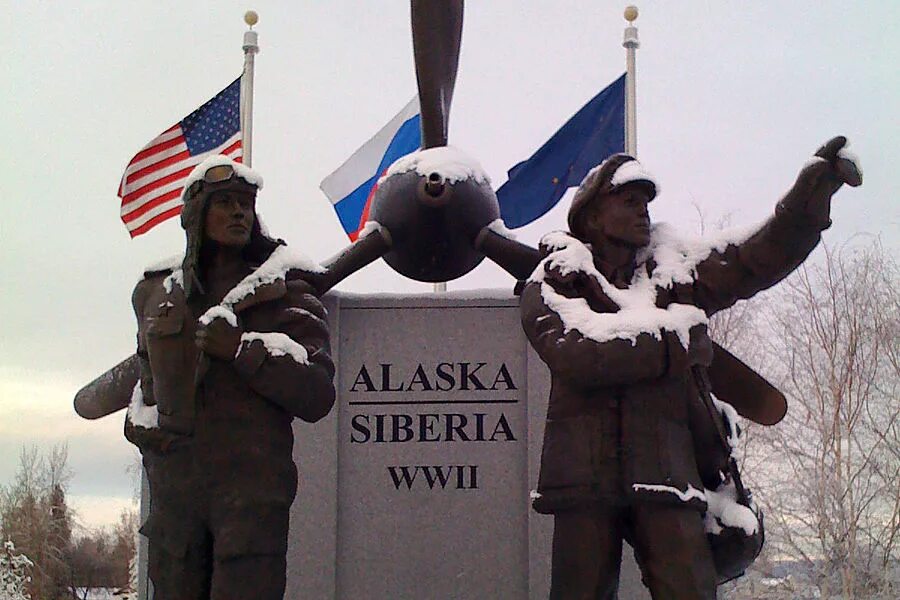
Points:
[(617, 309), (231, 346)]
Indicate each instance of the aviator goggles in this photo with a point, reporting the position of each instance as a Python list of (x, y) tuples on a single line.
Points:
[(215, 174)]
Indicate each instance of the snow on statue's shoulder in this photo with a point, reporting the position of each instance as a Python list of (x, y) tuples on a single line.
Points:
[(567, 254), (677, 256), (171, 268), (452, 164), (282, 260), (167, 264), (176, 277), (556, 240), (637, 314)]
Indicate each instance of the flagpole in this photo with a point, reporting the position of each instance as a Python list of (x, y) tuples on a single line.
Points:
[(251, 48), (631, 44)]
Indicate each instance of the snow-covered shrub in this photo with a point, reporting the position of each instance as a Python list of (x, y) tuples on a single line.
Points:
[(15, 574)]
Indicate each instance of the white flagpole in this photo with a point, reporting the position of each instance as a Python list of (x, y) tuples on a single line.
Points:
[(145, 586), (631, 44), (251, 47)]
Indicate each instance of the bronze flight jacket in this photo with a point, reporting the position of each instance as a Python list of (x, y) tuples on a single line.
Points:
[(259, 389), (624, 420), (221, 456)]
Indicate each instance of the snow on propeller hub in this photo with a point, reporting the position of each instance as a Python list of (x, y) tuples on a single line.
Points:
[(434, 202)]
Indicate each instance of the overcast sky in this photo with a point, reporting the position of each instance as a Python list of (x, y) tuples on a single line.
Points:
[(733, 97)]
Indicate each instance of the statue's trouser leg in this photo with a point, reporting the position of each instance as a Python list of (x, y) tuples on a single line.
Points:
[(587, 550), (184, 577), (249, 550), (180, 557), (257, 577), (673, 552)]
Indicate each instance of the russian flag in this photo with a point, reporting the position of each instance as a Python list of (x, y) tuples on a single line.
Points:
[(352, 186)]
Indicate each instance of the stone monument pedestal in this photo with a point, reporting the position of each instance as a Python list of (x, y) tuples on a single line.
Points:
[(417, 484)]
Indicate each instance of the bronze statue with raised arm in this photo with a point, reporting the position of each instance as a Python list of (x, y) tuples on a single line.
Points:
[(618, 309)]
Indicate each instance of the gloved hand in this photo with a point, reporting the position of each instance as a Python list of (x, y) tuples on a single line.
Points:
[(840, 161), (219, 339), (831, 167)]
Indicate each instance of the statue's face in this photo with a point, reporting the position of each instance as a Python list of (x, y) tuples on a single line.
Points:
[(621, 216), (229, 217)]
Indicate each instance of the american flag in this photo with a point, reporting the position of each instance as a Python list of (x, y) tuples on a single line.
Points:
[(151, 186)]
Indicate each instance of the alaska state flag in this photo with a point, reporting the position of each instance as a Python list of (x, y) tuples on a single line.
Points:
[(534, 186), (352, 186)]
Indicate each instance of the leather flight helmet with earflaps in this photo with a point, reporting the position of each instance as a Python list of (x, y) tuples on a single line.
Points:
[(215, 174)]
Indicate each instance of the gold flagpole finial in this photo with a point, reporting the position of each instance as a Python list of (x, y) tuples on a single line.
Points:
[(631, 13), (251, 18)]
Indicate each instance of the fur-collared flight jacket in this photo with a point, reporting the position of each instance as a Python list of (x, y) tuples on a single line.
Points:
[(624, 420), (231, 421)]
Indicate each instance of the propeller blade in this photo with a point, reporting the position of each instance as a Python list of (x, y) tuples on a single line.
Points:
[(109, 392), (751, 395), (437, 35)]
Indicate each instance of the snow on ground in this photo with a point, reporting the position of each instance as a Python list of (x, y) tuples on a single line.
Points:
[(105, 594)]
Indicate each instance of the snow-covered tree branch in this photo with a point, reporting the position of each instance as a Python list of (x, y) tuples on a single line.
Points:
[(828, 476)]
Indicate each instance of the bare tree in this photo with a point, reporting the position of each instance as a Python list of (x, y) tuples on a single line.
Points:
[(832, 496), (34, 515), (739, 330), (101, 558), (124, 550)]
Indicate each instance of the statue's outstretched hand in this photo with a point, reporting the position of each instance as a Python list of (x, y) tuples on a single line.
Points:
[(831, 166), (841, 162)]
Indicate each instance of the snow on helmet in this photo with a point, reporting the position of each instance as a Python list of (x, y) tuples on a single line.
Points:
[(214, 174), (606, 178)]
